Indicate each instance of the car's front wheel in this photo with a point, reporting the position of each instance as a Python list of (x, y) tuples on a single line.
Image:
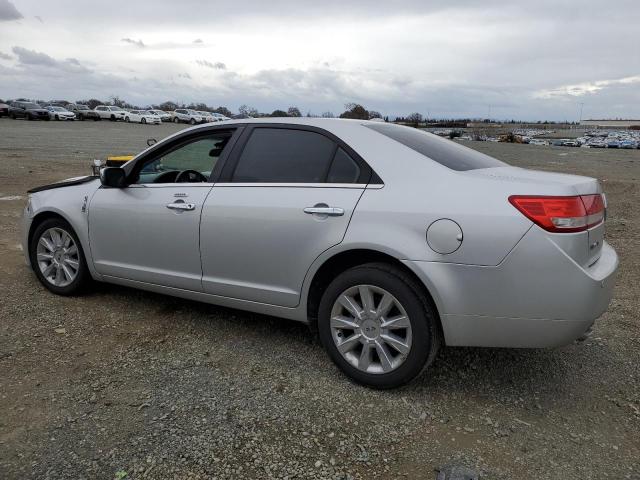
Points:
[(176, 120), (192, 121), (143, 120), (378, 326), (57, 257)]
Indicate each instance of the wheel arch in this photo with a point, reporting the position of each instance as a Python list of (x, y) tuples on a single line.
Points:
[(41, 217), (346, 259)]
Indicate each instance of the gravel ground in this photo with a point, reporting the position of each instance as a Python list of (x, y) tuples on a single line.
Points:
[(127, 384)]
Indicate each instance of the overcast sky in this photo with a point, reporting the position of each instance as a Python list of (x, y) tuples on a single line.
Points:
[(535, 59)]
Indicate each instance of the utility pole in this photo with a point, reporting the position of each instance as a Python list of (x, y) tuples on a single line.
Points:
[(581, 107), (489, 116)]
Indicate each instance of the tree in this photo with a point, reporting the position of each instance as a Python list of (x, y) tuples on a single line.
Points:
[(168, 106), (355, 111), (279, 113), (247, 111), (294, 112), (92, 103), (328, 115), (223, 111), (374, 114), (415, 118)]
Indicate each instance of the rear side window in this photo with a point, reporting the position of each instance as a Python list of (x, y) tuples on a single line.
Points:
[(280, 155), (343, 169), (445, 152)]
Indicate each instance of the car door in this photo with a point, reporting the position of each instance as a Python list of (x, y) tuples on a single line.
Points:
[(148, 231), (277, 207)]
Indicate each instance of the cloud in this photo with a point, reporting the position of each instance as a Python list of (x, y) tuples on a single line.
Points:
[(580, 89), (184, 75), (32, 58), (131, 41), (198, 40), (5, 56), (39, 18), (8, 11), (215, 66)]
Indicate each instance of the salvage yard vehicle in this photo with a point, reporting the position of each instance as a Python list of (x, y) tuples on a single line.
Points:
[(142, 116), (60, 113), (388, 240), (4, 110), (28, 110), (83, 112), (110, 112), (186, 115), (164, 116)]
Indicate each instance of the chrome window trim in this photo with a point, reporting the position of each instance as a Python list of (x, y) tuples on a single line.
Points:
[(172, 185), (292, 185)]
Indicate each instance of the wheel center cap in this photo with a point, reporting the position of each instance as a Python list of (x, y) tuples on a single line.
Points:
[(57, 256), (370, 329)]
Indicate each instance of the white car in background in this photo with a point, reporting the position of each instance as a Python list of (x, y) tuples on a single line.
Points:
[(60, 113), (219, 117), (186, 115), (207, 116), (110, 112), (164, 116), (142, 116)]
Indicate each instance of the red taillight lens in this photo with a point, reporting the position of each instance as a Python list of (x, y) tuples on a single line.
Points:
[(561, 214)]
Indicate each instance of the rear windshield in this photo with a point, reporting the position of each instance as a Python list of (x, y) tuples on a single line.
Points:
[(445, 152)]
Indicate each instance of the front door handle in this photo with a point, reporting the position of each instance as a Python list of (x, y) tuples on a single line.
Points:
[(329, 211), (181, 206)]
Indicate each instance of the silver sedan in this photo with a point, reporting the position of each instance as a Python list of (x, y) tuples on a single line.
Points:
[(390, 241)]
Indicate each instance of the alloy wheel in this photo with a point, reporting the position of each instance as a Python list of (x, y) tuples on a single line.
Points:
[(58, 257), (371, 329)]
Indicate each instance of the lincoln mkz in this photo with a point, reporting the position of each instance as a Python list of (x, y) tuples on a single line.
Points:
[(388, 240)]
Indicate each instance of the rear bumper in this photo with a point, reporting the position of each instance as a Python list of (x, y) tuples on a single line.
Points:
[(537, 297)]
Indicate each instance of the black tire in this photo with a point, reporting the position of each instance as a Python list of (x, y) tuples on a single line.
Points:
[(126, 119), (176, 120), (422, 317), (113, 118), (29, 117), (81, 117), (97, 119), (192, 121), (57, 118), (144, 120), (83, 278), (13, 117)]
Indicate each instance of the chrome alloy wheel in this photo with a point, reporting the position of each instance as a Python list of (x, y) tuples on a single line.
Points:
[(371, 329), (58, 257)]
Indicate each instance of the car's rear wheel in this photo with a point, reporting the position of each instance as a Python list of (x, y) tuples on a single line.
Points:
[(112, 118), (176, 120), (143, 120), (57, 258), (126, 119), (378, 326)]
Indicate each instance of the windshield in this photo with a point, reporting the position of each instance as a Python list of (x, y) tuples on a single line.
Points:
[(58, 109), (192, 112), (31, 105), (115, 109), (82, 107), (443, 151)]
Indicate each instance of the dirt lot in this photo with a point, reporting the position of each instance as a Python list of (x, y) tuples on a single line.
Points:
[(157, 387)]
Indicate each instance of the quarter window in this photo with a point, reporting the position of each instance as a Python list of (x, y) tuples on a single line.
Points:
[(280, 155), (343, 169)]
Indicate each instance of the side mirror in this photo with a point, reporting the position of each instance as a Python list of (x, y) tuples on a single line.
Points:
[(113, 177)]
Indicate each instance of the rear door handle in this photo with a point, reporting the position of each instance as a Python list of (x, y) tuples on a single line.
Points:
[(181, 206), (330, 211)]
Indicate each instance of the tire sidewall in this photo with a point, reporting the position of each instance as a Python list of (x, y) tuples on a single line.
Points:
[(421, 316), (83, 277)]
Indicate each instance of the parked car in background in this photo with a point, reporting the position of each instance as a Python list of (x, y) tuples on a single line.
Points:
[(83, 112), (57, 112), (110, 112), (4, 110), (373, 233), (164, 116), (142, 116), (28, 110), (206, 116), (186, 115), (219, 117)]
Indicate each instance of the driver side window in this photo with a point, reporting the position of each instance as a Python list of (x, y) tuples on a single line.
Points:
[(191, 162)]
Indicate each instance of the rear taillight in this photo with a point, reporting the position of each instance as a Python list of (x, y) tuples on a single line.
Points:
[(561, 214)]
